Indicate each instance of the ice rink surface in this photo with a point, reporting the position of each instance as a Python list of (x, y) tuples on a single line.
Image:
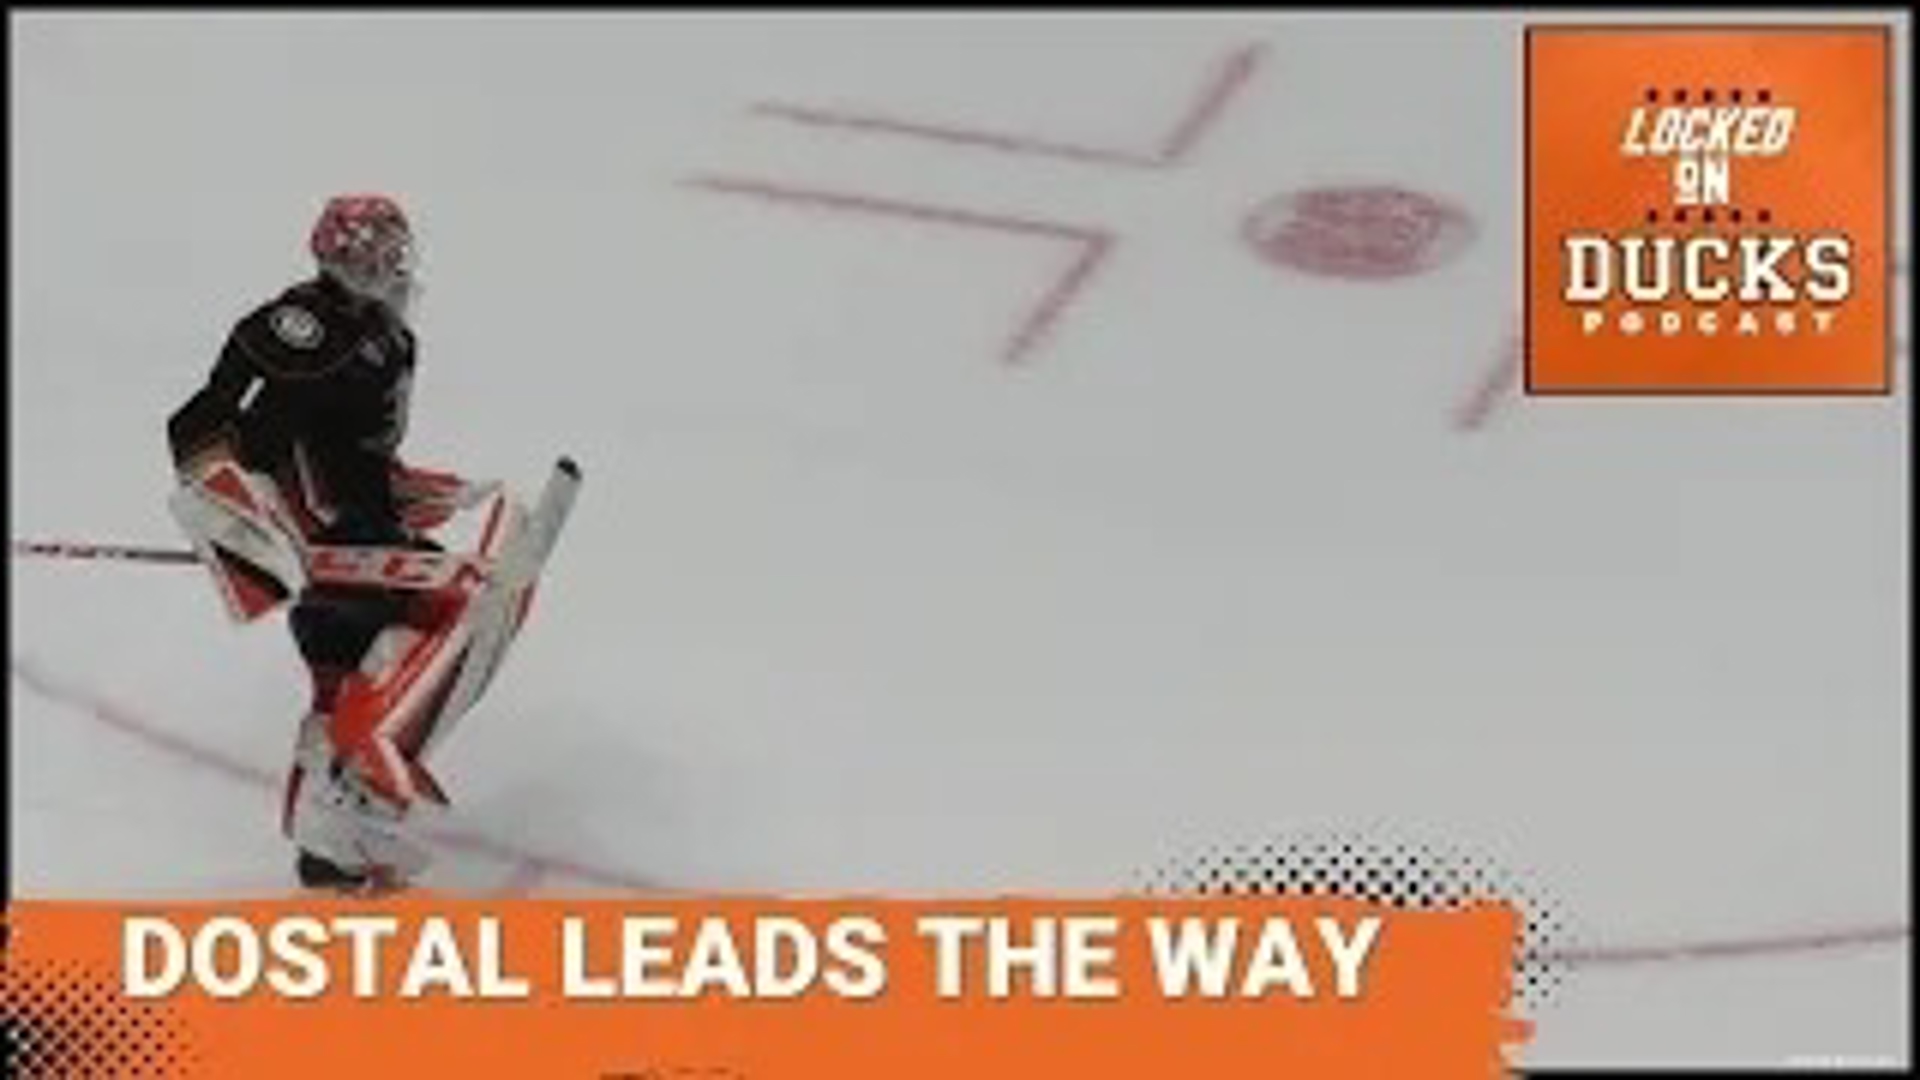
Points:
[(969, 508)]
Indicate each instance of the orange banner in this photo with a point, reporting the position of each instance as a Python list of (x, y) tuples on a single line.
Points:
[(760, 988)]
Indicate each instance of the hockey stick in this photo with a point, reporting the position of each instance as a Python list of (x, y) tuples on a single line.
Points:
[(388, 567), (393, 568), (56, 549)]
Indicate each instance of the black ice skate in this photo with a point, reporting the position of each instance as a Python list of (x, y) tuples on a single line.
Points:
[(325, 875)]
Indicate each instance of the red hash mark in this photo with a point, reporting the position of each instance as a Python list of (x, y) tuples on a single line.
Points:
[(1501, 379), (1222, 82), (1090, 245)]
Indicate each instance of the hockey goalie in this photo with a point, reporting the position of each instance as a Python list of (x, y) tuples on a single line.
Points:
[(291, 489)]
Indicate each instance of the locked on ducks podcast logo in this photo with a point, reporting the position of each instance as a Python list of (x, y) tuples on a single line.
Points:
[(1707, 210)]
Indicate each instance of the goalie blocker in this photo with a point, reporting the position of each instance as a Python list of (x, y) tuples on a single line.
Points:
[(359, 764)]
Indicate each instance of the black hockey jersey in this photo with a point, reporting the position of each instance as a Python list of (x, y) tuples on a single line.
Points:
[(312, 388)]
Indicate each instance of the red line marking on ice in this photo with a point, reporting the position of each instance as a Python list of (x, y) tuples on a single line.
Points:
[(530, 869), (880, 124), (1230, 75), (1783, 944), (157, 737), (1092, 245), (1501, 378), (125, 722), (526, 877), (1224, 80), (1042, 317)]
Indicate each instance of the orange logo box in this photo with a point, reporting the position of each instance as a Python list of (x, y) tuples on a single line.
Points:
[(1707, 210)]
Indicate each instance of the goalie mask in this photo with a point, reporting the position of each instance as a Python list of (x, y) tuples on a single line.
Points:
[(366, 244)]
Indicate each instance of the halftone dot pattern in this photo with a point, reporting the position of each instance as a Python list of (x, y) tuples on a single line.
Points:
[(64, 1022), (1389, 871)]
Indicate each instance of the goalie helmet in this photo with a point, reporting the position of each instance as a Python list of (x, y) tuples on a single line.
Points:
[(366, 244)]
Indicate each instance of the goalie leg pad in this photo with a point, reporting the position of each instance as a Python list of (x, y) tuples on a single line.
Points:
[(331, 812), (385, 712), (420, 675)]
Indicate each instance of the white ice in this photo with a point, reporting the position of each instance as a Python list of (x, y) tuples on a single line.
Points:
[(848, 604)]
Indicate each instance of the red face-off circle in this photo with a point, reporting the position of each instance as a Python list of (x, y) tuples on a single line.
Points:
[(1357, 232)]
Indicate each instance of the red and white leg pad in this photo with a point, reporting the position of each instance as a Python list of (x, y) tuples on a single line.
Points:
[(359, 770), (332, 812), (358, 775)]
